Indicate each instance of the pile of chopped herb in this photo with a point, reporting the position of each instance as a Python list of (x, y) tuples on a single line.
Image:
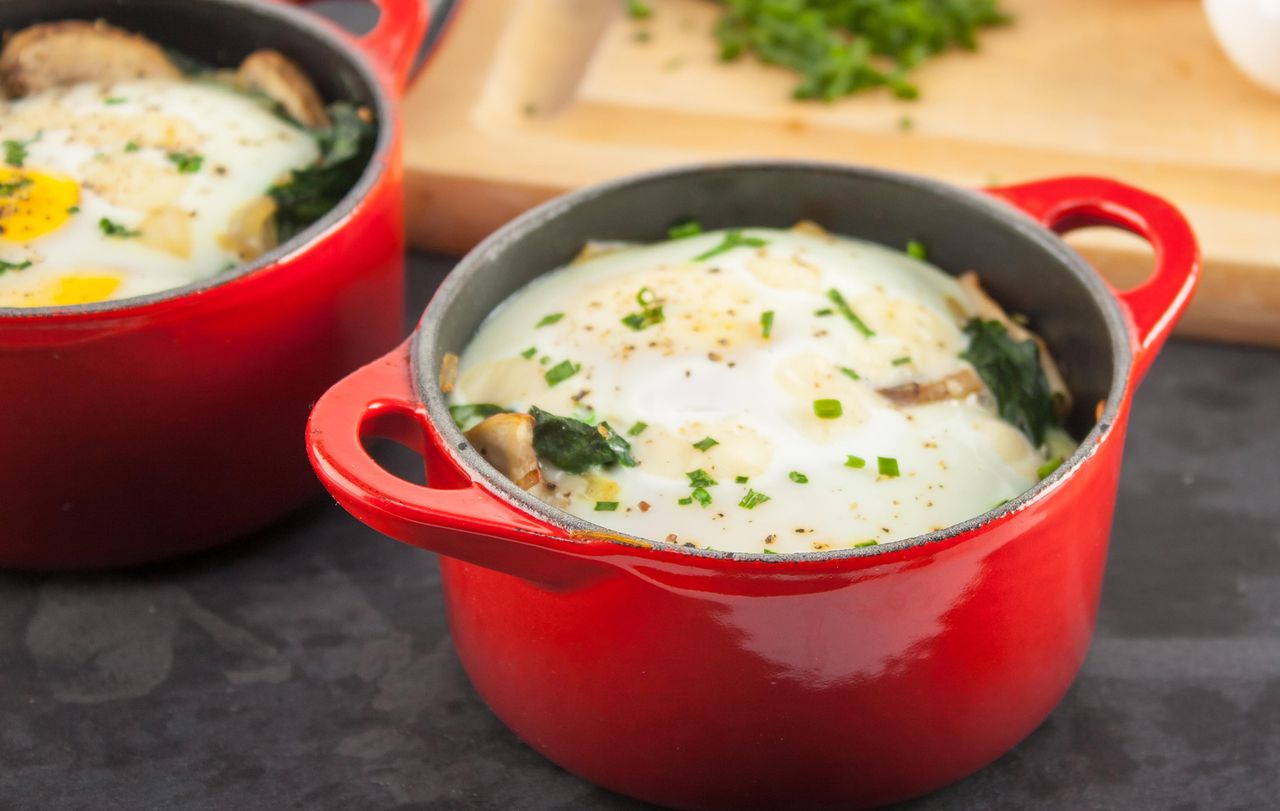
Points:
[(840, 47)]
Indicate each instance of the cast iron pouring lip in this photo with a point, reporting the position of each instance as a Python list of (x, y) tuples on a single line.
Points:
[(425, 377), (300, 242)]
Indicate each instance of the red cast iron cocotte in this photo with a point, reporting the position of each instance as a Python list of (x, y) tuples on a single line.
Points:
[(710, 680), (142, 428)]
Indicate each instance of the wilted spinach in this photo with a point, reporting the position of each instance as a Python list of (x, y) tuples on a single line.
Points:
[(345, 147), (576, 446), (1011, 369)]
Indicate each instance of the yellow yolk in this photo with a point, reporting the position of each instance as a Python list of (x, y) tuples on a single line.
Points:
[(33, 204), (84, 286)]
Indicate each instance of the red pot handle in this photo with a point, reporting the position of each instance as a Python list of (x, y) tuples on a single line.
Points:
[(1067, 203), (394, 41), (453, 514)]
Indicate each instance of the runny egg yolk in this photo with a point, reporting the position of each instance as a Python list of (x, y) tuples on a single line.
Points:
[(33, 204), (80, 286)]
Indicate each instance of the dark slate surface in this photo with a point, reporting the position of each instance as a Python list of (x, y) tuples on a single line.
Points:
[(310, 666)]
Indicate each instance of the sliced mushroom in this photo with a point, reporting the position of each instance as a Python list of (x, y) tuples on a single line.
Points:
[(72, 51), (988, 309), (506, 440), (954, 386), (275, 76), (252, 229)]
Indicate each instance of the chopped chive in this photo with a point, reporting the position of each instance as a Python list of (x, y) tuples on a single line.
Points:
[(824, 311), (705, 444), (741, 479), (637, 429), (902, 361), (1046, 470), (23, 265), (74, 210), (686, 501), (827, 409), (752, 499), (856, 462), (15, 152), (851, 374), (606, 506), (530, 352), (700, 478), (766, 323), (701, 496), (798, 478), (847, 311), (548, 320), (915, 249), (10, 189), (132, 146), (685, 229), (732, 239), (888, 466), (768, 552), (187, 163), (861, 544), (114, 229), (468, 415), (561, 371), (114, 100), (639, 9), (650, 314)]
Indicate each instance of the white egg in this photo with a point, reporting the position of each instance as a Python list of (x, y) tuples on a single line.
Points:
[(708, 371), (133, 187)]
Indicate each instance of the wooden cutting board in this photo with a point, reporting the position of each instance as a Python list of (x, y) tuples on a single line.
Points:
[(528, 98)]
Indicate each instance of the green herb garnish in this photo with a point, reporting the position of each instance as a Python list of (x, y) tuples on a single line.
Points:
[(561, 372), (7, 266), (861, 544), (132, 146), (685, 229), (1011, 369), (701, 496), (114, 100), (548, 320), (915, 249), (824, 312), (902, 361), (686, 501), (637, 429), (10, 189), (188, 163), (468, 415), (856, 462), (575, 446), (606, 506), (766, 323), (705, 444), (752, 499), (768, 552), (741, 479), (529, 353), (15, 152), (840, 47), (888, 466), (847, 311), (827, 409), (345, 148), (650, 312), (851, 374), (116, 230), (732, 239), (797, 477), (700, 478), (1047, 469), (639, 9)]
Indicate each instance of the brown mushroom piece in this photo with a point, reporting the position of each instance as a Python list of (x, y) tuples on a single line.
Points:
[(989, 309), (252, 230), (506, 441), (275, 76), (955, 386), (73, 51)]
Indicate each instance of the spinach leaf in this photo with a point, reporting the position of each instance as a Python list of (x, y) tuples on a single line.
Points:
[(1011, 369), (309, 194), (468, 415), (574, 446)]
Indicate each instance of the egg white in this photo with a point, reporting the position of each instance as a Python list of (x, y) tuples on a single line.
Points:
[(119, 142), (708, 371)]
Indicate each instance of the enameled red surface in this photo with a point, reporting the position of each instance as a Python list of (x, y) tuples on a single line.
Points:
[(790, 682), (148, 431)]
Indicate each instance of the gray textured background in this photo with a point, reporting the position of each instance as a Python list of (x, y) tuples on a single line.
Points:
[(310, 667)]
